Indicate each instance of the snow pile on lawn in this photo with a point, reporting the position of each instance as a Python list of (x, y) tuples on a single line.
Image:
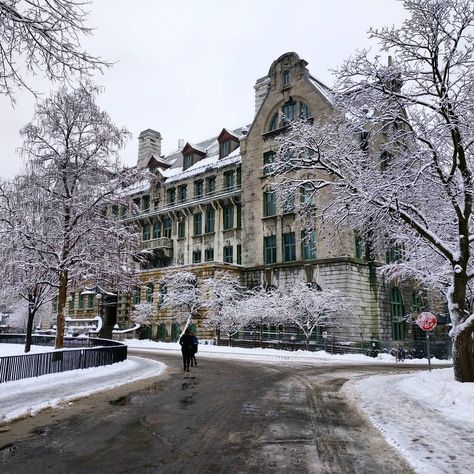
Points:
[(259, 355), (19, 349), (28, 396), (426, 415)]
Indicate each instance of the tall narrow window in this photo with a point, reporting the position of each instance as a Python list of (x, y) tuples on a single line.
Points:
[(228, 254), (308, 245), (81, 301), (289, 247), (150, 288), (197, 256), (209, 255), (156, 230), (396, 310), (269, 204), (198, 188), (239, 254), (288, 110), (182, 193), (286, 78), (187, 161), (228, 217), (211, 184), (416, 302), (198, 224), (71, 302), (239, 216), (210, 219), (268, 160), (136, 295), (146, 203), (171, 195), (224, 148), (229, 180), (307, 195), (167, 228), (147, 232), (304, 111), (359, 246), (181, 229), (270, 249)]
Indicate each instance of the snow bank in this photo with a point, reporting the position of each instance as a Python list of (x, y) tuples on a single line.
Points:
[(258, 354), (427, 416), (19, 349), (28, 396)]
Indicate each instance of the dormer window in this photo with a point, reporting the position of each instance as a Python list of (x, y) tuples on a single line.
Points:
[(187, 161), (286, 78), (224, 148), (228, 142)]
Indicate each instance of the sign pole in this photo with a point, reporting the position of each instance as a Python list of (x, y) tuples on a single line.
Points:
[(428, 349)]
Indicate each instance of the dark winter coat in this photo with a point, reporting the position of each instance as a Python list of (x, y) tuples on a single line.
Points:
[(186, 342), (195, 343)]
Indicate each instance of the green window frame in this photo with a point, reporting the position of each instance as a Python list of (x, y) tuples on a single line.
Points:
[(156, 230), (288, 110), (209, 255), (198, 188), (289, 247), (229, 254), (416, 302), (228, 220), (187, 161), (167, 225), (211, 184), (197, 221), (90, 301), (197, 256), (137, 295), (305, 112), (146, 203), (181, 229), (224, 148), (396, 313), (269, 204), (229, 179), (149, 290), (182, 193), (270, 249), (269, 158), (210, 220), (308, 245), (147, 232), (171, 195)]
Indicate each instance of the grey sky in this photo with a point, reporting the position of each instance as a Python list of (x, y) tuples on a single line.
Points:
[(187, 67)]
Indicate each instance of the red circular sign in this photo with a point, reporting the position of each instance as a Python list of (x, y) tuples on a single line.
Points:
[(426, 321)]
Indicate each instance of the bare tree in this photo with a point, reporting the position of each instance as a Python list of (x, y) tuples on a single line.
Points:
[(397, 156), (43, 36), (71, 147)]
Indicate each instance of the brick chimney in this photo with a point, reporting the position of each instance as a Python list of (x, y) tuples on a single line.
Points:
[(261, 88), (149, 143)]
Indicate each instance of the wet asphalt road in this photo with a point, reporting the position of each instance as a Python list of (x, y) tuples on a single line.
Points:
[(223, 417)]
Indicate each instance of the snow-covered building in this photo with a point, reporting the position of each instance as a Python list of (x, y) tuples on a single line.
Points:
[(210, 206)]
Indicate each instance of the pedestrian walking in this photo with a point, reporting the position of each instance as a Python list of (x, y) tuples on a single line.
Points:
[(187, 348), (195, 349)]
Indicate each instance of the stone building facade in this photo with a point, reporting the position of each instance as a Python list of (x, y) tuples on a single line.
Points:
[(210, 206)]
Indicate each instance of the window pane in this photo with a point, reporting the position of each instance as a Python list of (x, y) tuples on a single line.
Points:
[(289, 247)]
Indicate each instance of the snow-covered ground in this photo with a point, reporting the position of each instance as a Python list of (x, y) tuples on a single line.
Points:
[(28, 396), (426, 415), (19, 349)]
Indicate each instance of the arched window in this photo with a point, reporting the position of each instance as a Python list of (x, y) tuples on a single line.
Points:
[(150, 288), (273, 122), (416, 302), (289, 109), (396, 312), (286, 78), (304, 111)]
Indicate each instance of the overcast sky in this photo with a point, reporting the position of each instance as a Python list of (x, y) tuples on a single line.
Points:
[(187, 68)]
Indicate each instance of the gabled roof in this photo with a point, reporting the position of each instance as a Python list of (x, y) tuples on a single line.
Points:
[(226, 134), (189, 147)]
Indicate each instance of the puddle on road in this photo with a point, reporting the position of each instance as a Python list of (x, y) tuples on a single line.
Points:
[(121, 401)]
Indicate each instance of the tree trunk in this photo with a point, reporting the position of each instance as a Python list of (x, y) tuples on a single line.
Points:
[(230, 340), (463, 361), (29, 328), (62, 295)]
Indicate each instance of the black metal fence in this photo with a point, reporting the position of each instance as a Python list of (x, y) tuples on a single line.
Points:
[(90, 352)]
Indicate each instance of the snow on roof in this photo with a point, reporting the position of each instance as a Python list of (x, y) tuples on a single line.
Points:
[(138, 187), (211, 162), (324, 90)]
